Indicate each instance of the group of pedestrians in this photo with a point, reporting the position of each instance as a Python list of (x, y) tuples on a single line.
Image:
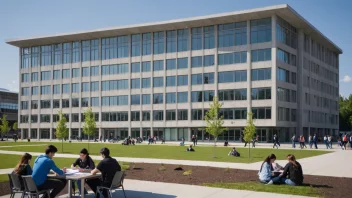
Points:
[(45, 163)]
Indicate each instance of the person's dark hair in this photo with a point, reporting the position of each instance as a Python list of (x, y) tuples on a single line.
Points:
[(24, 160), (50, 149), (291, 158), (105, 151), (234, 148), (267, 160), (84, 151)]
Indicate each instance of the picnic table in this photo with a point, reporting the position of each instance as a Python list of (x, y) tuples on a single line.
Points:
[(75, 175)]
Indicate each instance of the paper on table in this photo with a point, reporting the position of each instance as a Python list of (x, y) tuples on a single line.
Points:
[(72, 171)]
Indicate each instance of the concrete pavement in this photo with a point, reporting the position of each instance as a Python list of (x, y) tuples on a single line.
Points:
[(147, 189)]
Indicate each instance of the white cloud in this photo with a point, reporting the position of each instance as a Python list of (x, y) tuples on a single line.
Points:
[(347, 79)]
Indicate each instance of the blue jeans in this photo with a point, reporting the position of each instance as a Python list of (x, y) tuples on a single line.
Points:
[(275, 180), (293, 144), (79, 188), (288, 182)]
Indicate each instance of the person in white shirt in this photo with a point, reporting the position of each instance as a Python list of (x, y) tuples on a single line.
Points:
[(326, 142)]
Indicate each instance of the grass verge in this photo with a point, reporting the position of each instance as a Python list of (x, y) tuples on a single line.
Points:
[(281, 189)]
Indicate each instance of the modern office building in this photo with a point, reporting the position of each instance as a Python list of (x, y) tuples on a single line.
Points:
[(159, 78), (9, 107)]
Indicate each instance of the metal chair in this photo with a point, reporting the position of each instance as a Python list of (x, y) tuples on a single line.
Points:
[(117, 182), (16, 185), (31, 188)]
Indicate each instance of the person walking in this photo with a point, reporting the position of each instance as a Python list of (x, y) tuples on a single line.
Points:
[(293, 139), (276, 141), (344, 141), (310, 140), (330, 141), (194, 140), (326, 142), (315, 140)]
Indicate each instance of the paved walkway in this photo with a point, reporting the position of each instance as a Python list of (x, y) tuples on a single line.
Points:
[(147, 189), (333, 164)]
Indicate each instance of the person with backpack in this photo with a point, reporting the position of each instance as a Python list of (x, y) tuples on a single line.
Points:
[(344, 141), (315, 141), (326, 142)]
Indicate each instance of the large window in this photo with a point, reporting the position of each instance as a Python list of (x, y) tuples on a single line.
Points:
[(170, 64), (76, 52), (232, 76), (90, 50), (56, 104), (208, 78), (171, 41), (286, 57), (26, 57), (85, 86), (158, 115), (114, 85), (196, 38), (146, 44), (182, 114), (182, 97), (232, 58), (85, 71), (261, 93), (45, 104), (25, 91), (45, 55), (56, 74), (241, 33), (261, 74), (24, 104), (122, 46), (261, 30), (75, 73), (170, 98), (114, 116), (226, 37), (67, 52), (158, 82), (34, 91), (65, 88), (158, 65), (197, 79), (170, 81), (84, 102), (146, 83), (208, 60), (158, 38), (114, 69), (45, 90), (34, 104), (182, 80), (94, 71), (75, 88), (208, 96), (44, 118), (114, 100), (75, 102), (182, 63), (109, 48), (25, 77), (135, 67), (197, 96), (197, 114), (146, 66), (170, 114), (56, 89), (283, 114), (136, 45), (236, 94), (283, 75), (35, 51), (145, 115), (94, 101), (65, 73), (57, 54), (135, 99), (135, 116), (45, 75), (135, 83), (283, 94), (261, 113), (286, 33), (196, 61), (261, 55), (182, 40), (158, 98), (209, 41), (146, 99), (94, 86)]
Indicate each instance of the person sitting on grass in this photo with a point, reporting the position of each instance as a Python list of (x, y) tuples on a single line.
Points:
[(293, 174), (190, 149), (85, 164), (182, 143), (226, 143), (266, 174), (233, 152)]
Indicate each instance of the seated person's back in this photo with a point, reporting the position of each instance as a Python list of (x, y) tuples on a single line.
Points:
[(293, 171), (23, 167), (226, 143), (233, 152), (190, 148), (108, 167)]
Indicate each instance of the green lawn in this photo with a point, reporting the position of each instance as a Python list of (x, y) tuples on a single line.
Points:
[(202, 153), (281, 189)]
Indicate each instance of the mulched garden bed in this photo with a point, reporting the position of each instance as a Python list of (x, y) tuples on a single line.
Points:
[(327, 186)]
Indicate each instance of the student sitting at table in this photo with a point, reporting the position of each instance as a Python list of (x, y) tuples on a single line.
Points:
[(108, 167), (190, 149), (233, 152), (85, 164), (266, 174), (42, 166), (23, 167), (293, 172)]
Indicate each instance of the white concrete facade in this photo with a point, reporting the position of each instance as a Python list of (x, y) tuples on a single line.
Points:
[(185, 128)]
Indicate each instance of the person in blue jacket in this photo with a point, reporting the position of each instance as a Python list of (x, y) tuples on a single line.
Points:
[(42, 166)]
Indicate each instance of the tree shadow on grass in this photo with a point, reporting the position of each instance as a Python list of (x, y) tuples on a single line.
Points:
[(316, 185)]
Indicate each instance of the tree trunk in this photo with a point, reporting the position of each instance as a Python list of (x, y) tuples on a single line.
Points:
[(249, 151), (214, 153), (88, 142), (62, 145), (7, 136)]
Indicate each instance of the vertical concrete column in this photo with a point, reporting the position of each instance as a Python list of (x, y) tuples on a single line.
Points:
[(22, 132), (300, 94), (69, 133), (38, 133), (249, 69), (29, 133), (100, 135), (189, 134), (216, 76), (51, 133), (273, 72), (80, 132)]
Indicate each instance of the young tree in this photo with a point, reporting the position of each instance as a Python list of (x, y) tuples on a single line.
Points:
[(89, 125), (4, 126), (61, 129), (214, 121), (249, 132), (15, 128)]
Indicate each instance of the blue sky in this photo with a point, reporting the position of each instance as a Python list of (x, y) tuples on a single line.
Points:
[(41, 17)]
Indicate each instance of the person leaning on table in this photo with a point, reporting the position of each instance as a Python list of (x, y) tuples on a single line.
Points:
[(108, 167), (85, 164), (42, 166)]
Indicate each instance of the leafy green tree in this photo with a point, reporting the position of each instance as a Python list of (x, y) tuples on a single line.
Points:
[(15, 126), (249, 131), (214, 121), (4, 126), (89, 125), (61, 129)]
